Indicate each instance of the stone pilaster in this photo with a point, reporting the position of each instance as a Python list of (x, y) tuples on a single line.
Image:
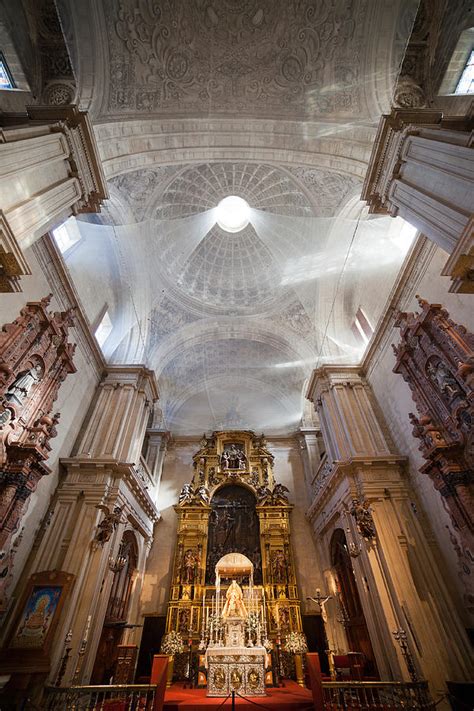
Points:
[(49, 170), (398, 579), (116, 427), (310, 454), (422, 169)]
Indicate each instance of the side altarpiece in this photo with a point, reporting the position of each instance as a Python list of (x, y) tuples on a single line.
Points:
[(35, 358), (435, 357), (233, 505)]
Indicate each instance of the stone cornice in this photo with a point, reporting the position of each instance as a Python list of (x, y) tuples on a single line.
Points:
[(145, 378), (119, 470), (352, 468)]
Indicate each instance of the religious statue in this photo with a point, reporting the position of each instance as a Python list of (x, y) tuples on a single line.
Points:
[(22, 385), (363, 517), (234, 605), (444, 380), (233, 458), (279, 567), (279, 494), (108, 524), (190, 562), (186, 495), (201, 495)]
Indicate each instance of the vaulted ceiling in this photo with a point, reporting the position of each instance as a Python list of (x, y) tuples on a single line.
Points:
[(276, 101)]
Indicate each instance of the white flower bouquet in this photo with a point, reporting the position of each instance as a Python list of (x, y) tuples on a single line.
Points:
[(295, 643)]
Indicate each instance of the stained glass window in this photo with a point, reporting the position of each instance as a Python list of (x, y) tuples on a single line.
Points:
[(466, 82), (6, 79)]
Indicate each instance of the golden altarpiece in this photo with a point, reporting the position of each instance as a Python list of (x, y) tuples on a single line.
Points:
[(233, 504)]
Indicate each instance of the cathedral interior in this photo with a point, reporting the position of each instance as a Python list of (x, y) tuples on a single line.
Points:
[(237, 354)]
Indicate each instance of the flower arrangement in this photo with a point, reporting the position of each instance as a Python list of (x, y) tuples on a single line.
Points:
[(296, 643), (172, 643), (268, 644)]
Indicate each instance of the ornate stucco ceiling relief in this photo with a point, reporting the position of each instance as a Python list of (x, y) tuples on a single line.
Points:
[(264, 57), (139, 186)]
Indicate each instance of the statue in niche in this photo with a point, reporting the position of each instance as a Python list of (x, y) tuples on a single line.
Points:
[(234, 605), (189, 567), (444, 380), (22, 385), (184, 621), (233, 458), (284, 619), (279, 567)]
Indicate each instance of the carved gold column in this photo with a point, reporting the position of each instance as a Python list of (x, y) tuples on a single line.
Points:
[(366, 493), (422, 168), (49, 170)]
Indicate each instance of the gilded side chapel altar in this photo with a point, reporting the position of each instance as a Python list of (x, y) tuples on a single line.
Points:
[(234, 593)]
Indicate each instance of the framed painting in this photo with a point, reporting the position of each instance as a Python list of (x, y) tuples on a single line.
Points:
[(40, 610)]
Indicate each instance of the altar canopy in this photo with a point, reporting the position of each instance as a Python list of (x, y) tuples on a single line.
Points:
[(234, 565)]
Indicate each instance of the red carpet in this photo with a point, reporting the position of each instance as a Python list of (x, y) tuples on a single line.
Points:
[(291, 697)]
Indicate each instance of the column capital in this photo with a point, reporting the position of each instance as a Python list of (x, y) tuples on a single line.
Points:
[(325, 377)]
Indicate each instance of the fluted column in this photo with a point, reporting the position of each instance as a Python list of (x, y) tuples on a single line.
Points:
[(310, 454), (397, 575), (157, 445), (49, 170), (422, 169)]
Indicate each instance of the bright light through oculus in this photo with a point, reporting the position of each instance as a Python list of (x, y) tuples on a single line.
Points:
[(233, 214)]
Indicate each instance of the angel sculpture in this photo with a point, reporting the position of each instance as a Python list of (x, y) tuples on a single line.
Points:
[(263, 494), (201, 495), (186, 495), (108, 524), (279, 494)]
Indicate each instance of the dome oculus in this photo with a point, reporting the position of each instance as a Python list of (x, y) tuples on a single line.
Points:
[(233, 214)]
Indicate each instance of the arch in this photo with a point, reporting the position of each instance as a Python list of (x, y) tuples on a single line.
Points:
[(348, 598), (234, 527)]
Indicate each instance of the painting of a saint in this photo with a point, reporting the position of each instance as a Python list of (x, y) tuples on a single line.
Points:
[(37, 617)]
